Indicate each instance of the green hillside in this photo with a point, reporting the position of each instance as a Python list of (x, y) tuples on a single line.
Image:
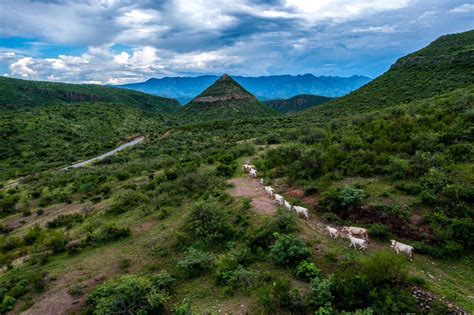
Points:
[(57, 135), (175, 226), (15, 94), (225, 99), (296, 103), (443, 66)]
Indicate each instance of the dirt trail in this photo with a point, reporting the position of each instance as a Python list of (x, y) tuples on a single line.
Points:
[(251, 188)]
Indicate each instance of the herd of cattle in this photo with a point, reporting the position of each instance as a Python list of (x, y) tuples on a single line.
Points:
[(350, 231)]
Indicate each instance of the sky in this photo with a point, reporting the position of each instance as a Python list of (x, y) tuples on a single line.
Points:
[(123, 41)]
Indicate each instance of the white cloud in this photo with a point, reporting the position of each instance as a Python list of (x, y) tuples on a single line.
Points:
[(341, 10), (22, 68), (464, 8), (374, 29), (99, 65)]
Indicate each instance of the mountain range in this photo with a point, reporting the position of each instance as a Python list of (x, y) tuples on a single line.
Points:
[(264, 87)]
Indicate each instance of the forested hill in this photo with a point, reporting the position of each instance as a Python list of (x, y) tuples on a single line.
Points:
[(444, 65), (225, 99), (296, 103), (17, 94)]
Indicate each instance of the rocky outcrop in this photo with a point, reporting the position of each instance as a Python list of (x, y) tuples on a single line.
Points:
[(211, 99), (425, 301)]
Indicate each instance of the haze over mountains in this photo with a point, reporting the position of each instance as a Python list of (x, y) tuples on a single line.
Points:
[(264, 87)]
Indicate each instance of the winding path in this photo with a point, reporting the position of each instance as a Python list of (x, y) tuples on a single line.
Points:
[(103, 156)]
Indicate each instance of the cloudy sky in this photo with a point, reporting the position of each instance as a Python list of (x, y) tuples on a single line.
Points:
[(121, 41)]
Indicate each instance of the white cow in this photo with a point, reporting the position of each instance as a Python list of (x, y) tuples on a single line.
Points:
[(248, 167), (357, 241), (269, 190), (287, 205), (279, 199), (261, 181), (404, 248), (332, 231), (301, 211), (356, 231), (253, 173)]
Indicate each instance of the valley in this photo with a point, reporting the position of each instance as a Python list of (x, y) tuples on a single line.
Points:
[(173, 225)]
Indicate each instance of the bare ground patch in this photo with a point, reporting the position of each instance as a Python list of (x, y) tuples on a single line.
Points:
[(251, 188)]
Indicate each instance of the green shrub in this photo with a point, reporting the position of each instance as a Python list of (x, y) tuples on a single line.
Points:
[(342, 200), (225, 170), (65, 221), (128, 295), (331, 218), (379, 231), (32, 235), (127, 202), (279, 295), (379, 281), (163, 281), (195, 262), (289, 251), (307, 270), (320, 295), (283, 222), (209, 222), (183, 308)]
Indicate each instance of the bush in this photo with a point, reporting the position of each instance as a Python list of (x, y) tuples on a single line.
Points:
[(279, 295), (163, 281), (289, 251), (128, 295), (331, 218), (320, 293), (341, 200), (225, 170), (307, 270), (65, 220), (127, 202), (378, 281), (32, 235), (195, 262), (379, 231), (183, 308), (208, 222), (283, 222)]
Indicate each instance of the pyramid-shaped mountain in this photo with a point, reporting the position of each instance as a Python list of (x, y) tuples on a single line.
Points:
[(226, 99)]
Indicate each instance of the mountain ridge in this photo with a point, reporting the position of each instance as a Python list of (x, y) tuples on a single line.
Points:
[(263, 87)]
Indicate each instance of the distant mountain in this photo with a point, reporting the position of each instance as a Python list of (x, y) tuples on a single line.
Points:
[(225, 99), (264, 88), (443, 66), (296, 103), (16, 93)]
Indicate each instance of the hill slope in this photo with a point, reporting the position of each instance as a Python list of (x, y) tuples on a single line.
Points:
[(296, 103), (225, 99), (264, 87), (443, 66), (16, 93)]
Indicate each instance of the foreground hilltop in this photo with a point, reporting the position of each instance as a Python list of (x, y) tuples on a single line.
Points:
[(226, 99), (443, 66)]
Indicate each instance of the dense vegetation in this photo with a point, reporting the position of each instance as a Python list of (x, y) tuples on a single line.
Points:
[(57, 135), (153, 229), (296, 103)]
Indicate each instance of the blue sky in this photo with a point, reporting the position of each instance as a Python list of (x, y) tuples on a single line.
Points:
[(122, 41)]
